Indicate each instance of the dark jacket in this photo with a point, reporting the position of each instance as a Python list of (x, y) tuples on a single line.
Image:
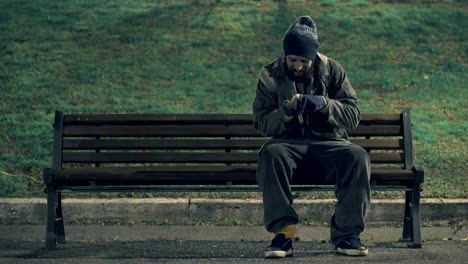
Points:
[(341, 112)]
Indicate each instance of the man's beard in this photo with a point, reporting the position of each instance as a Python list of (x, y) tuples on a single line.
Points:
[(303, 77)]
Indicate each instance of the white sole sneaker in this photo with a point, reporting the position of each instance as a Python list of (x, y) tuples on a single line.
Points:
[(353, 252), (278, 253)]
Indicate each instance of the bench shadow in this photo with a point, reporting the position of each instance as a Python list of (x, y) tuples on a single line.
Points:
[(168, 250)]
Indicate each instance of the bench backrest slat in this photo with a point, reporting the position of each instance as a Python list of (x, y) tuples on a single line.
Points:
[(160, 119), (161, 157), (190, 157), (376, 130), (168, 143), (160, 131), (201, 131), (135, 119), (202, 144)]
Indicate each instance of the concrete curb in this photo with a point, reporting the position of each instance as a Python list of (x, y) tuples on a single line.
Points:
[(158, 211)]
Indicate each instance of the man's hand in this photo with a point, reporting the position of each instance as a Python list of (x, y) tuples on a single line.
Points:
[(313, 103), (300, 104), (294, 106), (295, 101)]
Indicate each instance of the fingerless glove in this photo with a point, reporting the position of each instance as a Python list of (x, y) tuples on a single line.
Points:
[(313, 103)]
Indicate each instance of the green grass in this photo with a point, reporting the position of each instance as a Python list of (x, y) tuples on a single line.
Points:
[(204, 56)]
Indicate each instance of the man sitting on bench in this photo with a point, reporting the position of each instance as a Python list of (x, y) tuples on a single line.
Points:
[(305, 102)]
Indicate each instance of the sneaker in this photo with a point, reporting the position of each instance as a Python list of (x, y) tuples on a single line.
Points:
[(352, 246), (280, 247)]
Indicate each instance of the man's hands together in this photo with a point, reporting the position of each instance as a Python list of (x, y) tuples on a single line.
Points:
[(300, 104), (294, 106)]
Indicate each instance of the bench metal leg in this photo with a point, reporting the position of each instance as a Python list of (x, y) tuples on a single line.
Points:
[(59, 223), (416, 215), (51, 231), (407, 221), (412, 220), (55, 232)]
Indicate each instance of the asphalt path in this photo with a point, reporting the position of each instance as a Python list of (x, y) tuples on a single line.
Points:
[(220, 244), (238, 252)]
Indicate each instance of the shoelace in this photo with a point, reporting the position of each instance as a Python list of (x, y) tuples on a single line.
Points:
[(279, 241), (356, 242)]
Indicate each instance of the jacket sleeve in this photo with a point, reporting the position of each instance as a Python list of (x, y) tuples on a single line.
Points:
[(342, 109), (268, 116)]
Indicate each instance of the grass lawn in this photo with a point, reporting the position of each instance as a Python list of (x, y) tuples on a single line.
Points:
[(193, 56)]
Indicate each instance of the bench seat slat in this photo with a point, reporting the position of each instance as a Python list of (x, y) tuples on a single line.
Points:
[(198, 175), (190, 157)]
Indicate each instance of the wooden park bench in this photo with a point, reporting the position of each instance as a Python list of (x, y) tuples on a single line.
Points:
[(205, 152)]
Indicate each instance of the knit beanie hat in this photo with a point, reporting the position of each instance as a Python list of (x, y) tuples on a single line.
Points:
[(301, 39)]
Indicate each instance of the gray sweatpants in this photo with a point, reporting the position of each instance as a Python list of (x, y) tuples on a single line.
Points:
[(346, 163)]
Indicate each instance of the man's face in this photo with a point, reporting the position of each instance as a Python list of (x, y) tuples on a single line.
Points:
[(298, 66)]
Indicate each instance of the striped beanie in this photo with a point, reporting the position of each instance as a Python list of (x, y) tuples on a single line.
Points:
[(301, 39)]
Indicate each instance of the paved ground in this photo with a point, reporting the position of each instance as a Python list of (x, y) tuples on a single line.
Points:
[(194, 231), (214, 244), (224, 252)]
